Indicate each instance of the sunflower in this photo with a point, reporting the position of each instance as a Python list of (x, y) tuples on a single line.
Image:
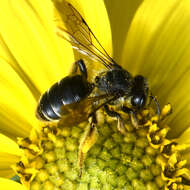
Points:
[(149, 38)]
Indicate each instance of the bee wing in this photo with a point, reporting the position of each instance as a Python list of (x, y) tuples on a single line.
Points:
[(78, 33), (78, 112)]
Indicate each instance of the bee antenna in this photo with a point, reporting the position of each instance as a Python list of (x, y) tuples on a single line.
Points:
[(157, 105)]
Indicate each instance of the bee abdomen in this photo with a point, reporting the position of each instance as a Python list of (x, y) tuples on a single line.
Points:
[(68, 90), (45, 111)]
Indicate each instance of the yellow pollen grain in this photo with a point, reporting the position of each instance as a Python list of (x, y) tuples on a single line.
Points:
[(166, 110), (49, 156), (42, 175)]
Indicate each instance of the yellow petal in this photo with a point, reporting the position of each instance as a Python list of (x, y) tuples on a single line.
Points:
[(9, 155), (6, 172), (120, 14), (184, 138), (186, 156), (9, 146), (157, 46), (31, 44), (95, 14), (17, 104), (10, 185)]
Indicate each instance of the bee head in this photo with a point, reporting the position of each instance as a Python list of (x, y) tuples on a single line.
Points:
[(139, 92)]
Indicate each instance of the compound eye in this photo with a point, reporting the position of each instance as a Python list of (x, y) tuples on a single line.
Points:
[(138, 101)]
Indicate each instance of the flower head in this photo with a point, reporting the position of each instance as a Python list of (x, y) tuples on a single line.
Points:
[(57, 156)]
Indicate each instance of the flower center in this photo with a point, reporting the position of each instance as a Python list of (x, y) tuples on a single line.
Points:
[(141, 159)]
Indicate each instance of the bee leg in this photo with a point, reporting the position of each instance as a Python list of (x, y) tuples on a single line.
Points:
[(88, 140), (157, 105), (133, 117), (134, 120), (82, 67), (120, 124)]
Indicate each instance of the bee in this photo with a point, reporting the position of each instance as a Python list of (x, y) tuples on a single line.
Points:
[(77, 97)]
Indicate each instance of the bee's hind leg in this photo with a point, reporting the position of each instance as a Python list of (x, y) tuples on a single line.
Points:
[(88, 140), (82, 67), (120, 124)]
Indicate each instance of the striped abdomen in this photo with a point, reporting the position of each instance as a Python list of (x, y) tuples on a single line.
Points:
[(69, 90)]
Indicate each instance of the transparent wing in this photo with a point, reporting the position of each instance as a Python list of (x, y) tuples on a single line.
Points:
[(78, 112), (78, 33)]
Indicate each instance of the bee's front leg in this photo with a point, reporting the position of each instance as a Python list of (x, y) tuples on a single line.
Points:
[(120, 125), (88, 140), (132, 115)]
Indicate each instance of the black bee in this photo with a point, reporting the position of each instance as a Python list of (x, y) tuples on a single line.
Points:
[(77, 97)]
